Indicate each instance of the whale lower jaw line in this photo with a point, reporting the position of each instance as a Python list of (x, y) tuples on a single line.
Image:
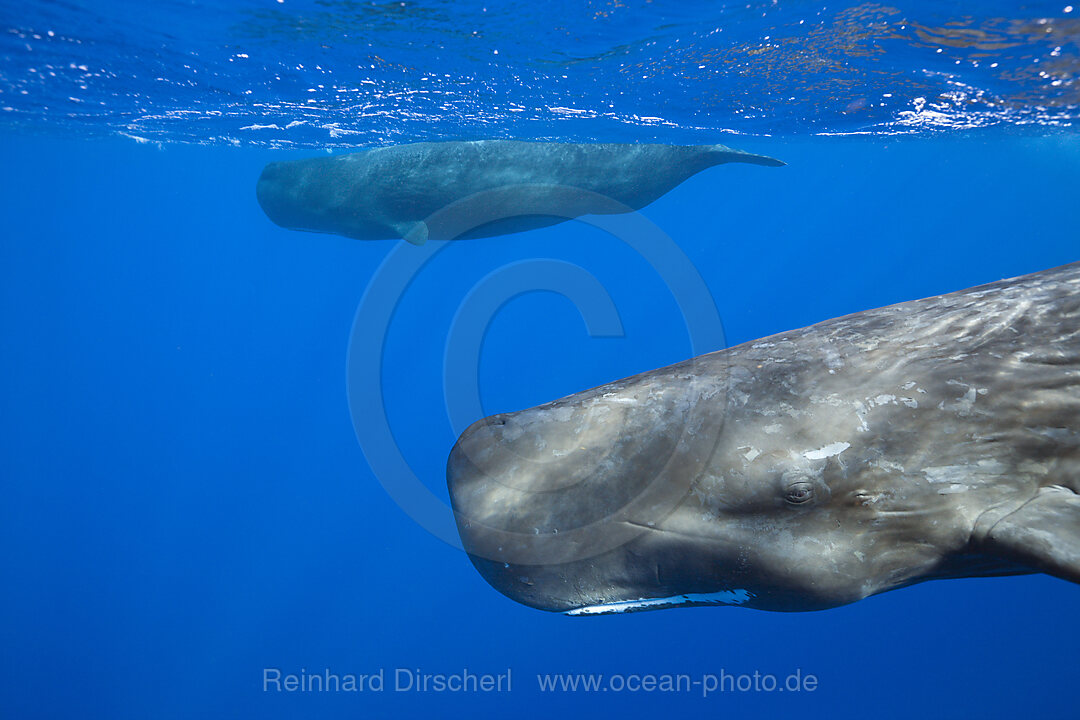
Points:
[(722, 597)]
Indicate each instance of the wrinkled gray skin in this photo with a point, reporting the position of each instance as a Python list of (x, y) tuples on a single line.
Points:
[(938, 438), (393, 192)]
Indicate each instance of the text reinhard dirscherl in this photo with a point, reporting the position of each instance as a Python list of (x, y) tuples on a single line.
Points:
[(395, 680), (465, 681)]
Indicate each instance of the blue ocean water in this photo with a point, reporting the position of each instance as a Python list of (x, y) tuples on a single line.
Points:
[(184, 503)]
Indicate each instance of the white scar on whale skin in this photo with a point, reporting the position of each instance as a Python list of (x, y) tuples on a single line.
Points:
[(722, 597), (827, 452)]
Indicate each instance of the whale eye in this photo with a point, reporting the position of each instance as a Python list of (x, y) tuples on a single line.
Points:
[(799, 493)]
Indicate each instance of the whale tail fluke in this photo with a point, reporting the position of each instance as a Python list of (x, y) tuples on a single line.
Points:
[(724, 154)]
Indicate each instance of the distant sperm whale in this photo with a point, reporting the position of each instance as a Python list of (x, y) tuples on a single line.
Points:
[(456, 190), (938, 438)]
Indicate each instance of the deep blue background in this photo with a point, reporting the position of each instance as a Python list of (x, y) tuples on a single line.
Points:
[(183, 501)]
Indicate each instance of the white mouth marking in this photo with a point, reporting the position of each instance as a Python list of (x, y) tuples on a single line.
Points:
[(723, 597)]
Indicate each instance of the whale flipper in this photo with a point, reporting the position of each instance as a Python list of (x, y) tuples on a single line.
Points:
[(414, 233), (1043, 534)]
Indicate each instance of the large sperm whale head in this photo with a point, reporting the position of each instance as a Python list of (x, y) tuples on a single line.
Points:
[(313, 195), (761, 476), (280, 192)]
